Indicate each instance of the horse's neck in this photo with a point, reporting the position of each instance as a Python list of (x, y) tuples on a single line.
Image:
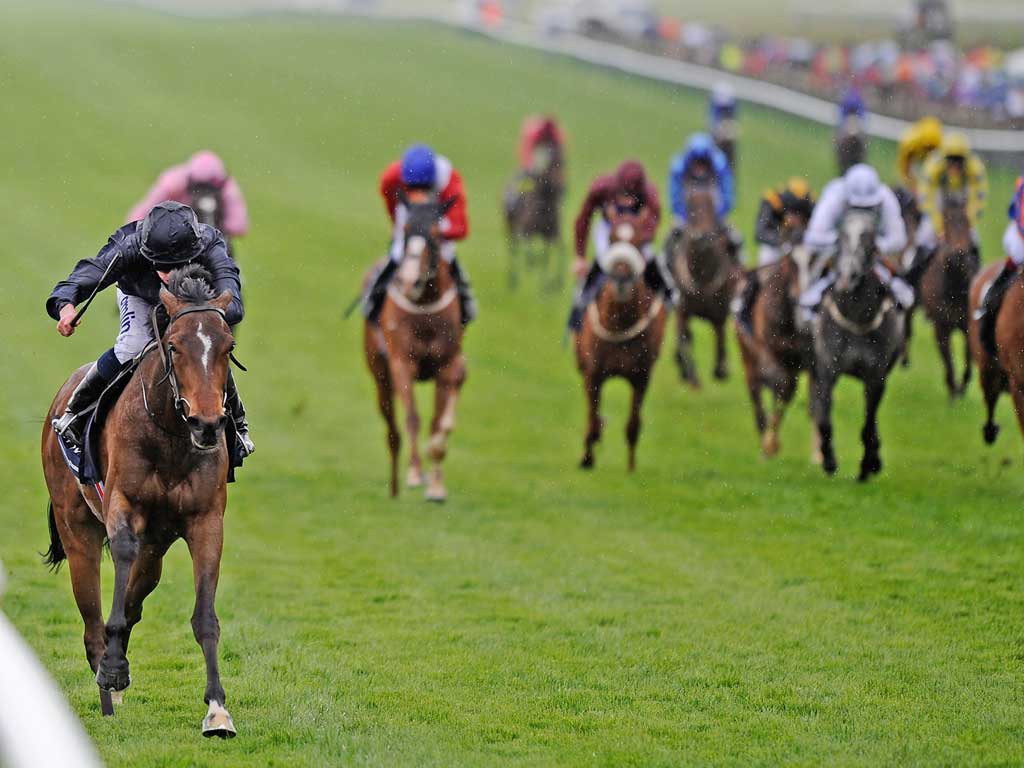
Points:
[(437, 285), (619, 316), (863, 302)]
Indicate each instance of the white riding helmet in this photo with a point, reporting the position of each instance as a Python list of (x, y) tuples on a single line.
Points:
[(863, 187), (723, 95)]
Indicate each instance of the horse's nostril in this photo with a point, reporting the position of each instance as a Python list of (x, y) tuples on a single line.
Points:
[(194, 422), (222, 421)]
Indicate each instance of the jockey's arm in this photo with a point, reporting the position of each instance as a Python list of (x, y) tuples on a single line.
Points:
[(651, 215), (727, 188), (978, 190), (236, 213), (767, 228), (455, 224), (225, 276), (390, 183), (821, 232), (594, 200), (892, 233), (88, 274), (675, 186)]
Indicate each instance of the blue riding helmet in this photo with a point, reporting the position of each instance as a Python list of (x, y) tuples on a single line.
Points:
[(419, 166), (852, 104), (700, 145)]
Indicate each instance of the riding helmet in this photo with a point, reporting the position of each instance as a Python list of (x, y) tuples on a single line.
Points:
[(863, 187), (631, 179), (419, 166), (169, 235)]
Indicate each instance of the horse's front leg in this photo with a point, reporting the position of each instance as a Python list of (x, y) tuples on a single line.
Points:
[(821, 413), (113, 674), (205, 539), (633, 425), (721, 372), (592, 390), (871, 463), (942, 332), (403, 378), (446, 394), (684, 349)]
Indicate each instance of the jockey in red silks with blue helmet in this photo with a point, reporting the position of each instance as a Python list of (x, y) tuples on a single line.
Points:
[(1013, 244), (703, 162), (421, 169)]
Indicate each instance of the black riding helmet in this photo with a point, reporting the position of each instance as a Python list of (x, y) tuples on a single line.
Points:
[(169, 235)]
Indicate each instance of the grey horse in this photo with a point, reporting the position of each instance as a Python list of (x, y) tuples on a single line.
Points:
[(858, 332)]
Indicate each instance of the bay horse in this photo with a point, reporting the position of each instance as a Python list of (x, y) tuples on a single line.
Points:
[(777, 350), (707, 276), (851, 149), (419, 338), (164, 460), (621, 334), (945, 285), (532, 208), (858, 332), (1005, 371)]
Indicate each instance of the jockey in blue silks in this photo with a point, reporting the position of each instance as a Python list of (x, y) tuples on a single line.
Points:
[(703, 162), (852, 108), (722, 120)]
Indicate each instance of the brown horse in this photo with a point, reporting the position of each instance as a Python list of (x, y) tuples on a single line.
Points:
[(419, 337), (1005, 372), (163, 457), (621, 334), (776, 352), (850, 149), (707, 277), (945, 285), (533, 204)]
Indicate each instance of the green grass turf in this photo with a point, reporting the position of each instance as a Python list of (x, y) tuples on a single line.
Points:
[(711, 609)]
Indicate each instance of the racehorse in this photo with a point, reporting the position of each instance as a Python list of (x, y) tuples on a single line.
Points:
[(419, 337), (164, 461), (858, 332), (621, 334), (725, 140), (776, 351), (850, 150), (533, 205), (945, 285), (707, 277)]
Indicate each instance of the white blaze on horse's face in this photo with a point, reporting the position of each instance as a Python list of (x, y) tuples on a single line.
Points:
[(856, 240), (207, 343), (624, 233)]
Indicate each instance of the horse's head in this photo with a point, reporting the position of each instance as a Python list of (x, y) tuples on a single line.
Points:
[(624, 265), (421, 257), (197, 345), (856, 247), (702, 219), (955, 224), (794, 223), (206, 201)]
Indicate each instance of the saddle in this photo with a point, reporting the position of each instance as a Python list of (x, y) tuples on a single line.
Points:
[(84, 461)]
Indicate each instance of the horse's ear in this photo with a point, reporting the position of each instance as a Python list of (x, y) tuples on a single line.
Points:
[(223, 301), (446, 205), (171, 302)]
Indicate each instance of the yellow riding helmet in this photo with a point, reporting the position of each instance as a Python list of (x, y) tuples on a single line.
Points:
[(927, 132), (798, 188), (956, 145)]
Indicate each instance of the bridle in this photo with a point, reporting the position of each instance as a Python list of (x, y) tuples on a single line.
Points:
[(181, 404)]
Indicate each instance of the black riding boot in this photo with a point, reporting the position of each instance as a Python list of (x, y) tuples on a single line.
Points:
[(467, 304), (82, 399), (744, 315), (373, 299), (922, 258), (237, 412), (660, 280), (586, 294), (735, 244), (990, 307)]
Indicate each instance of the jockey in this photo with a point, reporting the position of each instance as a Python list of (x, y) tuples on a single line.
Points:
[(858, 188), (852, 113), (420, 169), (722, 114), (951, 169), (1013, 244), (702, 161), (541, 144), (203, 169), (627, 190), (795, 197), (919, 141), (139, 257)]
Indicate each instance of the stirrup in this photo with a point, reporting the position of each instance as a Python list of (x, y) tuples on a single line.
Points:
[(64, 425), (246, 446)]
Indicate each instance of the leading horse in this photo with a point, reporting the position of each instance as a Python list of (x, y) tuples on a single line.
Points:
[(858, 332), (945, 285), (698, 257), (418, 338), (163, 457), (621, 334)]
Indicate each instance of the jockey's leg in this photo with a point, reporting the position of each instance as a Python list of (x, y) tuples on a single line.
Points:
[(927, 242), (467, 303), (735, 243), (373, 299), (586, 294), (1013, 244), (658, 277), (234, 405), (898, 287), (811, 298), (744, 305)]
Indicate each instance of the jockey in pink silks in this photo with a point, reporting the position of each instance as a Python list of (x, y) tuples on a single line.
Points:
[(203, 173)]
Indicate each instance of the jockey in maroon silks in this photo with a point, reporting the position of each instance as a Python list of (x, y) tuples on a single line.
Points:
[(626, 191)]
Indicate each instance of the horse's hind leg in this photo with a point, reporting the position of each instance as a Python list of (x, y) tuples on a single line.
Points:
[(991, 380), (205, 539), (721, 359), (871, 463), (909, 334), (592, 389), (782, 394), (968, 366), (113, 673), (386, 404), (84, 546), (633, 425), (446, 394), (942, 332)]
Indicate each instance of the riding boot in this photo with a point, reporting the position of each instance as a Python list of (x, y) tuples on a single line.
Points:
[(660, 280), (237, 412), (744, 314), (990, 306), (467, 304), (922, 258), (373, 299), (735, 244), (586, 294), (86, 394)]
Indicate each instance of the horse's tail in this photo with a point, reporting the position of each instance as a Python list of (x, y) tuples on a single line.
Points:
[(55, 555)]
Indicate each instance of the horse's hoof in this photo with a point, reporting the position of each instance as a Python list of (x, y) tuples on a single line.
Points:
[(990, 432), (829, 465), (218, 723), (436, 495), (414, 477), (113, 677), (117, 698), (721, 374), (770, 445), (587, 462)]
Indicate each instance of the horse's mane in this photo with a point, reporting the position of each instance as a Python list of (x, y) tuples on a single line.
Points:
[(192, 283)]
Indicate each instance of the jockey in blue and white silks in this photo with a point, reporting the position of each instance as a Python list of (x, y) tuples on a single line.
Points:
[(701, 162)]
